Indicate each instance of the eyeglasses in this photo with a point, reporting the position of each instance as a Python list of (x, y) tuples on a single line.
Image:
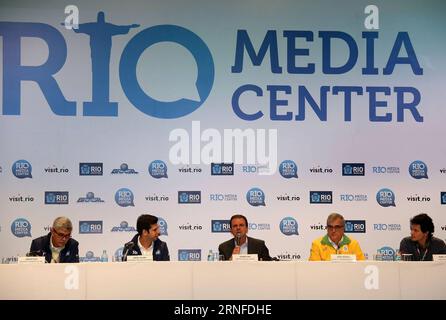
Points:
[(63, 236), (337, 227)]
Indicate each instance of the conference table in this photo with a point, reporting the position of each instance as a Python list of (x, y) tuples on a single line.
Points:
[(224, 280)]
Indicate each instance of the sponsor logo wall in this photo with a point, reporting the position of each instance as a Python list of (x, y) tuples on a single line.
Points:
[(284, 119)]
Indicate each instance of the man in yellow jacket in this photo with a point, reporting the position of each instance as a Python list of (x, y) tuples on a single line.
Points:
[(334, 242)]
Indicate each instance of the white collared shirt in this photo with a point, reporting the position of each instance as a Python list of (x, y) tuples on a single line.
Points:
[(55, 252), (243, 247), (334, 244), (146, 252)]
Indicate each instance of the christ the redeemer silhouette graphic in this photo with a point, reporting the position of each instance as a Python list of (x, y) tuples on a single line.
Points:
[(101, 34)]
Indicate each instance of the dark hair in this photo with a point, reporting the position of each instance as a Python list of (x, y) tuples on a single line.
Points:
[(425, 222), (238, 216), (144, 222)]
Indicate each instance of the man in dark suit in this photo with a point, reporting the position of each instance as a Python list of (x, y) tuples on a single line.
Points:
[(422, 244), (241, 243), (146, 242), (57, 246)]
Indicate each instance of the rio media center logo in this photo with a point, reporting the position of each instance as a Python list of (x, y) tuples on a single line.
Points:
[(222, 169), (158, 169), (288, 169), (123, 227), (186, 197), (22, 169), (355, 226), (89, 257), (385, 198), (387, 253), (255, 197), (189, 255), (124, 169), (90, 169), (321, 197), (443, 197), (288, 226), (353, 169), (418, 170), (90, 227), (124, 197), (56, 197), (21, 228), (387, 227), (220, 226)]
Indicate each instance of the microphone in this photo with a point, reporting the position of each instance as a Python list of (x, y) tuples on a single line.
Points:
[(238, 237), (127, 247)]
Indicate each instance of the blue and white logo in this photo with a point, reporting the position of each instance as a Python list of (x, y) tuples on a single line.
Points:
[(124, 169), (220, 226), (418, 170), (123, 227), (158, 169), (21, 228), (255, 197), (386, 198), (185, 197), (259, 226), (387, 253), (90, 169), (94, 227), (222, 169), (321, 197), (166, 33), (353, 197), (288, 226), (124, 197), (443, 197), (22, 169), (386, 227), (118, 254), (223, 197), (163, 226), (288, 169), (388, 170), (353, 169), (56, 197), (355, 226), (89, 197), (189, 255), (89, 257)]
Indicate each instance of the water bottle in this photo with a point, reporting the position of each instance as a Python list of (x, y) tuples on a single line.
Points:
[(104, 257), (398, 256), (210, 256)]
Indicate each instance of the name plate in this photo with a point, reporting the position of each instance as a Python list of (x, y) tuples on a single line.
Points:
[(439, 257), (343, 257), (139, 259), (31, 260), (245, 257)]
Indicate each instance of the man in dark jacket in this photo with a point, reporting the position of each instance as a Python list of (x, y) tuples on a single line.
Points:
[(241, 243), (422, 244), (146, 242), (57, 246)]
